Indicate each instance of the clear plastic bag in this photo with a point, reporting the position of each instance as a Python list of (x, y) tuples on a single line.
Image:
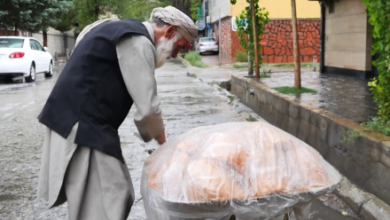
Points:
[(252, 170)]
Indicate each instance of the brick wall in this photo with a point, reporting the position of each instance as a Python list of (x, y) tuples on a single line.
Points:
[(229, 40), (276, 41)]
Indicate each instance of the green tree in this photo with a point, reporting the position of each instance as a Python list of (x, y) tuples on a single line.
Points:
[(245, 29), (188, 7), (67, 20), (141, 9), (378, 12), (32, 15), (89, 11)]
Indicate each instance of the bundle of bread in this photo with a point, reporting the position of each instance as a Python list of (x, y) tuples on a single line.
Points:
[(236, 161)]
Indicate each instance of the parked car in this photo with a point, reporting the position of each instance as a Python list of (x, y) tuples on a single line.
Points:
[(207, 44), (24, 56)]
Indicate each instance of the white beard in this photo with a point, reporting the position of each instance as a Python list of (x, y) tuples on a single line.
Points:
[(164, 49)]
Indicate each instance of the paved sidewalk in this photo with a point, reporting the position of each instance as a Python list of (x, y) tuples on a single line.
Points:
[(348, 97)]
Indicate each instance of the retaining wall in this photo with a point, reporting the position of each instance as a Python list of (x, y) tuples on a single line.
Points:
[(366, 161)]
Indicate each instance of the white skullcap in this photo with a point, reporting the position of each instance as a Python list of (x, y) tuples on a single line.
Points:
[(173, 16)]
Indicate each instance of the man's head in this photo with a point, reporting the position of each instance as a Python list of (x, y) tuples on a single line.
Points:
[(172, 31)]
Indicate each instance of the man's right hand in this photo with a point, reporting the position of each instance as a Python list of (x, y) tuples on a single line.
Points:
[(161, 138)]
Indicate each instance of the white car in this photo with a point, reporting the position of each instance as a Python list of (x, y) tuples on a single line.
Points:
[(207, 44), (24, 56)]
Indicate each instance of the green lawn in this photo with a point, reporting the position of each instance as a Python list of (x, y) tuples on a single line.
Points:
[(241, 66), (293, 90)]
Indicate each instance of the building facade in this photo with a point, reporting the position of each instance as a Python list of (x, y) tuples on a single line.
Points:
[(346, 40), (277, 39)]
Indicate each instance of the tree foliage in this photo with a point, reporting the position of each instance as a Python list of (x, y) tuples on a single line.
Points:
[(32, 15), (37, 15), (67, 20), (188, 7), (245, 28), (378, 12), (141, 9), (89, 11)]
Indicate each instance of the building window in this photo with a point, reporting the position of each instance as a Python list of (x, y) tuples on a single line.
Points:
[(331, 6)]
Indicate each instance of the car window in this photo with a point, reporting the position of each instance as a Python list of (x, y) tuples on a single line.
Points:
[(33, 45), (11, 43), (208, 39), (39, 46)]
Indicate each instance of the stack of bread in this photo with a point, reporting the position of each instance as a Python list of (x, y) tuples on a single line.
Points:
[(236, 161)]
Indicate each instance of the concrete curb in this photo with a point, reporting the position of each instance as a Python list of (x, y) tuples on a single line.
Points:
[(365, 205)]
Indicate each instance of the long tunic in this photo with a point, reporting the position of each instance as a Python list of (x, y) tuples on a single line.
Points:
[(73, 173)]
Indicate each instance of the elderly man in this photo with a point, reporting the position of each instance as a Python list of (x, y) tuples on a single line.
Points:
[(111, 67)]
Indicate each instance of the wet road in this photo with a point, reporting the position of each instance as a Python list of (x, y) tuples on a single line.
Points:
[(210, 59), (187, 102)]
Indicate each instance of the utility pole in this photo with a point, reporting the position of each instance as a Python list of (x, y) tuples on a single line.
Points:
[(210, 14), (219, 37), (297, 69), (255, 40)]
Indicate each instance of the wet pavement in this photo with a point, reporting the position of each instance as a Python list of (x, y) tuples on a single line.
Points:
[(187, 102), (348, 97)]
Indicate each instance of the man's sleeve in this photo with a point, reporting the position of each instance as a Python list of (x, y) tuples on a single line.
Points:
[(136, 56)]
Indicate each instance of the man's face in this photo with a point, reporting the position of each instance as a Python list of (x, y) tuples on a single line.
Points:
[(168, 45), (181, 43)]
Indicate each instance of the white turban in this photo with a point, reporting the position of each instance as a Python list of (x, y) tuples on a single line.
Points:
[(173, 16)]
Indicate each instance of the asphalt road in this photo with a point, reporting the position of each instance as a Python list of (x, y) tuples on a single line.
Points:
[(187, 103)]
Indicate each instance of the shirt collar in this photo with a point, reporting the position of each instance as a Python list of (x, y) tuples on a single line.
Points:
[(150, 29)]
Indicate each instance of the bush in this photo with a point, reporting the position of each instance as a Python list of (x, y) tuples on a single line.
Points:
[(241, 56), (199, 63), (192, 57), (378, 12), (378, 125)]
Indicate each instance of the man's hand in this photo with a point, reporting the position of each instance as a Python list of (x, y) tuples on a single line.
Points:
[(161, 138)]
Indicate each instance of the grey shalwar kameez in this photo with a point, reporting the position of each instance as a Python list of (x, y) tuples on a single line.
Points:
[(96, 185)]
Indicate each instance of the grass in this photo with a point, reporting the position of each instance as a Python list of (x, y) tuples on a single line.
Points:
[(293, 90), (265, 73), (288, 64), (194, 59), (251, 118), (241, 66), (378, 125), (231, 98), (241, 56), (350, 136)]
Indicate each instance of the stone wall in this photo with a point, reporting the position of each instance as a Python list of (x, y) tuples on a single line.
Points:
[(365, 162), (57, 42), (276, 41), (277, 46)]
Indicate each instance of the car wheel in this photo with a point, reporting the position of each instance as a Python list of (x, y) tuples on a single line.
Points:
[(31, 77), (50, 72)]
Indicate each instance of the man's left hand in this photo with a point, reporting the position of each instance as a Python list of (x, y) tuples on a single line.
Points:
[(161, 138)]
